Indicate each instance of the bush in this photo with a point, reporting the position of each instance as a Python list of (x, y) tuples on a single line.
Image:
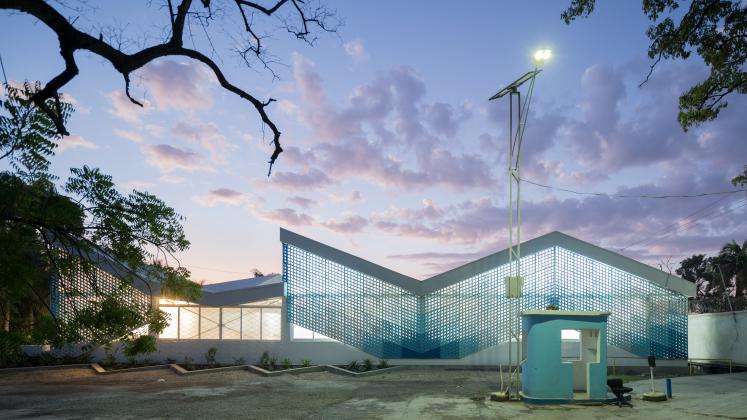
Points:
[(264, 360), (383, 364), (273, 363), (305, 362), (188, 363), (240, 361), (286, 364), (210, 356), (10, 349), (367, 365), (353, 366)]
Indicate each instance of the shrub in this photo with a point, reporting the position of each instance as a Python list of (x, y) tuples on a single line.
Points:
[(286, 364), (273, 363), (352, 366), (188, 363), (210, 356), (305, 362), (239, 361), (367, 365), (383, 364), (264, 360)]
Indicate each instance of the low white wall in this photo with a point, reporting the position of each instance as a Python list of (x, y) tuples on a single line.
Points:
[(718, 336)]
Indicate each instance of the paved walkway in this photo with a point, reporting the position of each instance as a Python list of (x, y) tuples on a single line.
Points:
[(407, 394)]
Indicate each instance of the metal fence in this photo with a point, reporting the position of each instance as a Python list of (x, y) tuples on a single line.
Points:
[(718, 304)]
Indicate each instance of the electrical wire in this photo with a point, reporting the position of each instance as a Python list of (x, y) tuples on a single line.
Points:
[(724, 210), (599, 194)]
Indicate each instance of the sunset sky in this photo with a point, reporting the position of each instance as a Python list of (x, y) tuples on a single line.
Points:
[(392, 150)]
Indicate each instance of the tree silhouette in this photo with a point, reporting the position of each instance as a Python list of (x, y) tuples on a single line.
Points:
[(301, 18)]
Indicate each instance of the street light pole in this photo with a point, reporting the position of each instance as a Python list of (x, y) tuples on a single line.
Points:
[(514, 281)]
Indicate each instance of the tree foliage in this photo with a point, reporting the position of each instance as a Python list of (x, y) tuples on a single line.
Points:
[(724, 274), (66, 230), (716, 30), (298, 17)]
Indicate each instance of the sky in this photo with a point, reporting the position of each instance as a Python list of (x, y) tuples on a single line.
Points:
[(392, 150)]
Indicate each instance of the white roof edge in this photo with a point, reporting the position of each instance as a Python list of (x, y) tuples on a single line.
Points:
[(439, 281), (348, 260)]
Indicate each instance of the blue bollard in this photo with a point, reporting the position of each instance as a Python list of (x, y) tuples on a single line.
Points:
[(669, 388)]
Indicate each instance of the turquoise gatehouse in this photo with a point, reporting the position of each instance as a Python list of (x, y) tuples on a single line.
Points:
[(552, 373)]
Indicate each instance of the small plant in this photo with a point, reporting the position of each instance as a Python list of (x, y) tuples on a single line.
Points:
[(286, 364), (210, 356), (170, 361), (109, 356), (273, 363), (383, 364), (240, 361), (367, 365), (188, 363), (305, 362), (264, 360), (131, 361), (353, 366)]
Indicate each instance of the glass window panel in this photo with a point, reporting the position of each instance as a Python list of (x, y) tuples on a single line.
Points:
[(251, 326), (209, 323), (271, 323), (189, 322), (231, 324), (301, 333), (172, 328)]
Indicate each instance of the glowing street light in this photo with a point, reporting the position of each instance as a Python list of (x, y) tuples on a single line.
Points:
[(542, 55), (514, 281)]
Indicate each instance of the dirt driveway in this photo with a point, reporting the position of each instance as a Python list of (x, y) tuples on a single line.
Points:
[(404, 394)]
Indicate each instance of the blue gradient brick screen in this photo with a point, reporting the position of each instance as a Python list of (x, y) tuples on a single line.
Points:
[(473, 314)]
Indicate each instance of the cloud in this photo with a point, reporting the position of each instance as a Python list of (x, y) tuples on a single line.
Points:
[(137, 185), (284, 217), (350, 224), (133, 136), (74, 142), (206, 135), (353, 197), (169, 158), (178, 85), (386, 134), (225, 196), (171, 179), (309, 180), (355, 50), (303, 202), (125, 110)]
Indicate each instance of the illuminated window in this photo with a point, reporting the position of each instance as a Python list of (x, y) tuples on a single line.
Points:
[(271, 323), (258, 320), (209, 323), (231, 324), (303, 334), (251, 323), (189, 322), (172, 328)]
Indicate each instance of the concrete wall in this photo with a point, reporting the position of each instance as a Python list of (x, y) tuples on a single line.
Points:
[(718, 336)]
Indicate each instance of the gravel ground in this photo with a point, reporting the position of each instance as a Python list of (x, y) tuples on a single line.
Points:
[(404, 394)]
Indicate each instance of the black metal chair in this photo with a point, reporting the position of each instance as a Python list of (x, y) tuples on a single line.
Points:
[(617, 388)]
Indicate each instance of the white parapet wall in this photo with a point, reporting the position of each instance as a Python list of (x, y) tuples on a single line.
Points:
[(720, 335)]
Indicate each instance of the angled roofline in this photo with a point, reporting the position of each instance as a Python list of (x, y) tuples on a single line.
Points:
[(350, 260), (453, 276)]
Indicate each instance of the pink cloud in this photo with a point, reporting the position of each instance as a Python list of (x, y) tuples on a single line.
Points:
[(132, 136), (169, 158), (284, 217), (309, 180), (74, 142), (303, 202), (206, 135), (178, 85), (225, 196), (350, 224), (125, 110)]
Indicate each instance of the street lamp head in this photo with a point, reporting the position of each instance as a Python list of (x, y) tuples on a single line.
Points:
[(542, 55)]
